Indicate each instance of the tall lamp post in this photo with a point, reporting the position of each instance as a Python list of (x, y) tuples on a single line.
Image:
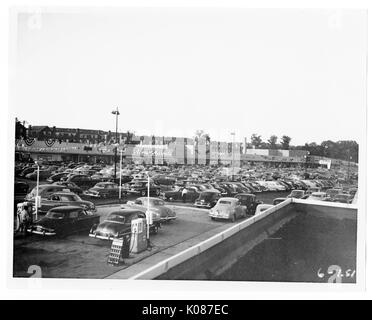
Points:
[(233, 156), (116, 113)]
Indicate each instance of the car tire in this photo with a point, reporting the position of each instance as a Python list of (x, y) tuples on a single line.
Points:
[(143, 193), (157, 192), (213, 218)]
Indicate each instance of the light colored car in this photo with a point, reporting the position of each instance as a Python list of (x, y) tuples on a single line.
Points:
[(298, 194), (156, 205), (229, 209), (319, 196), (263, 207)]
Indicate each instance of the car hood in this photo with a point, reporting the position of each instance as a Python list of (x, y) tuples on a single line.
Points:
[(112, 228)]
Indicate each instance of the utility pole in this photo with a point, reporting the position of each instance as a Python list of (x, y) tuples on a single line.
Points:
[(116, 113), (233, 156)]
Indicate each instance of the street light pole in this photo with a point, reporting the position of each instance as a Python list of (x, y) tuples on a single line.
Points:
[(233, 156), (121, 160), (116, 113), (37, 192)]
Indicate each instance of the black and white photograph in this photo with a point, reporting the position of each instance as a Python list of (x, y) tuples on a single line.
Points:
[(181, 143)]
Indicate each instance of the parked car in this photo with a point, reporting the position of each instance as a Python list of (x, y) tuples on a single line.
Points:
[(20, 188), (250, 201), (43, 175), (319, 196), (332, 193), (27, 171), (207, 199), (45, 190), (298, 194), (229, 209), (156, 205), (81, 180), (140, 187), (117, 224), (59, 199), (65, 220), (191, 195), (105, 190), (71, 186), (343, 198), (56, 177)]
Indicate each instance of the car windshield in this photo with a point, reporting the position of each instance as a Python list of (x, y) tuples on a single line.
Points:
[(70, 197), (317, 195), (155, 202), (116, 218), (55, 215), (225, 202)]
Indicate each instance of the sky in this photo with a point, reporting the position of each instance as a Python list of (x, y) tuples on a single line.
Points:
[(172, 71)]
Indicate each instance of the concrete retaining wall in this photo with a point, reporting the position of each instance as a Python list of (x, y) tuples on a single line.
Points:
[(218, 253)]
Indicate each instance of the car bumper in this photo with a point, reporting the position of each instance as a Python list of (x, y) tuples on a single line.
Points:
[(41, 232), (167, 219), (93, 195), (202, 205), (102, 237), (218, 216)]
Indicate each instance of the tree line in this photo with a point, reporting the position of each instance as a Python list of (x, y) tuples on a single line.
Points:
[(343, 149)]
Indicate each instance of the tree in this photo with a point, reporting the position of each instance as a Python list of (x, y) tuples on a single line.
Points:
[(272, 141), (256, 140), (285, 142)]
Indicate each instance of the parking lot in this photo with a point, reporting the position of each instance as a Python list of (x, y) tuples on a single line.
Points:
[(79, 256), (83, 257)]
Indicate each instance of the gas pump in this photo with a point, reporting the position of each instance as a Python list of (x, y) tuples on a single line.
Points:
[(138, 241)]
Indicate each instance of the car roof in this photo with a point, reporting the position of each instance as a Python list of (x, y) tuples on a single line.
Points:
[(126, 211), (245, 194), (64, 193), (66, 208), (228, 199)]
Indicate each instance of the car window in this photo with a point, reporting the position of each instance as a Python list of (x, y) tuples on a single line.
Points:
[(73, 214), (55, 198), (138, 202)]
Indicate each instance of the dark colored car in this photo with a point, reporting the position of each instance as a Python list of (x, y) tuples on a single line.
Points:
[(191, 195), (105, 190), (116, 225), (56, 177), (20, 188), (207, 199), (59, 199), (250, 201), (81, 180), (65, 220), (163, 179), (140, 188), (27, 171), (43, 175)]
